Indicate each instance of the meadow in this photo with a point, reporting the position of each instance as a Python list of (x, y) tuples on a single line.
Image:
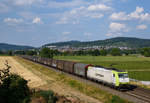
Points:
[(137, 66)]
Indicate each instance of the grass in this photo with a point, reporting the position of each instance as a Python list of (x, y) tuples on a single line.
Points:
[(140, 75), (138, 67), (87, 89)]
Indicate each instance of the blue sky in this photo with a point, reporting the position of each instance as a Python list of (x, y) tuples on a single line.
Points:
[(37, 22)]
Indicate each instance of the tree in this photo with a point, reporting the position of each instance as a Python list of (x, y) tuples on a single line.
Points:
[(31, 52), (47, 53), (1, 52), (89, 52), (20, 52), (10, 53), (16, 87), (13, 88), (96, 52), (103, 52), (145, 52), (115, 52), (56, 52)]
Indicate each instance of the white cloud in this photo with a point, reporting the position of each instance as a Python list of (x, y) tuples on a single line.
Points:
[(116, 29), (72, 16), (99, 7), (109, 34), (119, 16), (73, 3), (26, 2), (63, 20), (13, 20), (116, 26), (96, 15), (37, 20), (145, 17), (3, 8), (141, 27), (87, 34), (76, 14), (138, 14), (66, 33)]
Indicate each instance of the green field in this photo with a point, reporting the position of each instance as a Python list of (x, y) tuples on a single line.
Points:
[(138, 67)]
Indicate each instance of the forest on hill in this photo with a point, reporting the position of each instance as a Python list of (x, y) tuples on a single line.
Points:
[(118, 41), (5, 47)]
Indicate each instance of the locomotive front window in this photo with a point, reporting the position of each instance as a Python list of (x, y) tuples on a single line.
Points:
[(123, 75)]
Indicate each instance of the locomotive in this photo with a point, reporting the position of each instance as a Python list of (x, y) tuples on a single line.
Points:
[(109, 76)]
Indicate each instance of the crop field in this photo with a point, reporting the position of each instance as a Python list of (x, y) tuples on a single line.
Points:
[(33, 80), (138, 67)]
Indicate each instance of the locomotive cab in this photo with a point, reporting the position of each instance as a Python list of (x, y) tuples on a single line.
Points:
[(123, 78), (120, 79)]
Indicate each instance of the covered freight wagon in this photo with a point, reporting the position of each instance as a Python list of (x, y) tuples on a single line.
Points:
[(80, 69), (49, 62), (46, 61), (35, 58), (68, 66), (54, 63), (60, 64)]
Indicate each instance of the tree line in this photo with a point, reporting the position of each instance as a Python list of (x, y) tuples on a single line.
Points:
[(48, 53)]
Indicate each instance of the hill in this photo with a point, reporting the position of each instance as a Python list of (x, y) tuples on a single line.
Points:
[(118, 41), (4, 46)]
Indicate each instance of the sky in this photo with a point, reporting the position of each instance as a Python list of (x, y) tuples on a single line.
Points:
[(38, 22)]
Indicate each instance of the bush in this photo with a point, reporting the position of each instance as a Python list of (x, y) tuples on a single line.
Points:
[(103, 52), (145, 52), (48, 96), (31, 52), (96, 52), (115, 52), (13, 88)]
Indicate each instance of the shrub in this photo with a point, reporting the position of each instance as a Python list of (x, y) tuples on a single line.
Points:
[(115, 52), (13, 88), (145, 52), (48, 96), (103, 52)]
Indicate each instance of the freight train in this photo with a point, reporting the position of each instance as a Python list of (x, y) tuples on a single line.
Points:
[(108, 76)]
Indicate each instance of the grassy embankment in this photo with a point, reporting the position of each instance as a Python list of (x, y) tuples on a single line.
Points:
[(87, 89), (138, 67)]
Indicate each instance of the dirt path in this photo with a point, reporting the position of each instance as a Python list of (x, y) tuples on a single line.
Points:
[(34, 81)]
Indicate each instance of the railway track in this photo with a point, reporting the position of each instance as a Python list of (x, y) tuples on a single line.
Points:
[(140, 93), (137, 95)]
